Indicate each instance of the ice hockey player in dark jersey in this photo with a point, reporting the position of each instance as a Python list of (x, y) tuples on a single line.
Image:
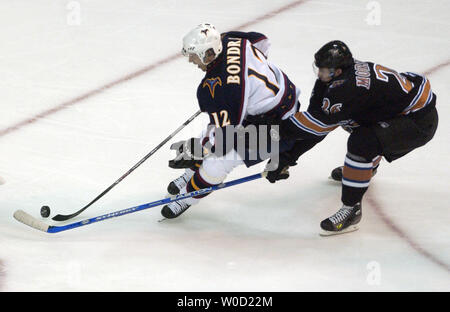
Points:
[(240, 87), (388, 114)]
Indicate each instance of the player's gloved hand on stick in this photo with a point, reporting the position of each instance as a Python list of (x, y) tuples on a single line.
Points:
[(190, 154), (281, 172)]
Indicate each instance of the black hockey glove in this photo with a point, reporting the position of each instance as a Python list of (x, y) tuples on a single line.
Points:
[(289, 159), (189, 154), (282, 171)]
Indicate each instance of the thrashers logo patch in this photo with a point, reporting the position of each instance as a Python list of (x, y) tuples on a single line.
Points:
[(211, 83)]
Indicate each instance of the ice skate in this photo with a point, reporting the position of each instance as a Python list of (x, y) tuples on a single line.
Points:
[(343, 221), (179, 183), (174, 209)]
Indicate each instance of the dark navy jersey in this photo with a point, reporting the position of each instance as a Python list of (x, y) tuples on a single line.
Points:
[(241, 85), (221, 92), (241, 82), (364, 94)]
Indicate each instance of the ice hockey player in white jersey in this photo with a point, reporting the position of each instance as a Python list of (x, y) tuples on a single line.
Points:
[(240, 88)]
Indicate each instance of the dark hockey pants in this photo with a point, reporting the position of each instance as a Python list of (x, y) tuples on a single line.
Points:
[(392, 139)]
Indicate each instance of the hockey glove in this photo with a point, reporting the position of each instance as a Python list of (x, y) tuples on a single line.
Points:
[(281, 172), (189, 154)]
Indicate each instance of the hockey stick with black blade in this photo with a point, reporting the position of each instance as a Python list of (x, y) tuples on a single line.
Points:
[(29, 220), (60, 217)]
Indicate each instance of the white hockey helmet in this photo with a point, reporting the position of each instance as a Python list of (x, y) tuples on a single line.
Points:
[(201, 39)]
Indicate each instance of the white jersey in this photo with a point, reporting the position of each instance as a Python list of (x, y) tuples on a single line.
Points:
[(265, 82)]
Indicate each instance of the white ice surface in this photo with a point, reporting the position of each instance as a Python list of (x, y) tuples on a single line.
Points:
[(255, 237)]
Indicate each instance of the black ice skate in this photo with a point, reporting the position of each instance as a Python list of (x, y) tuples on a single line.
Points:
[(336, 174), (174, 209), (343, 221), (179, 183)]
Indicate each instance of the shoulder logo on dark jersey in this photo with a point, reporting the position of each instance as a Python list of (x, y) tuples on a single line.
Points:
[(328, 108), (211, 83)]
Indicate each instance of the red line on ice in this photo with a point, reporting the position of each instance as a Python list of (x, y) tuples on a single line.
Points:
[(436, 68), (173, 57), (91, 93), (379, 210)]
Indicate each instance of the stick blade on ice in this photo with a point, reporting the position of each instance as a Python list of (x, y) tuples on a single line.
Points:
[(29, 220)]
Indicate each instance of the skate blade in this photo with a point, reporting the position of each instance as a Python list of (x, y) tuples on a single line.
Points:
[(351, 228), (161, 220)]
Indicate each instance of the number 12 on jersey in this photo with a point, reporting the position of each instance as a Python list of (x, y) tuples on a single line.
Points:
[(224, 116)]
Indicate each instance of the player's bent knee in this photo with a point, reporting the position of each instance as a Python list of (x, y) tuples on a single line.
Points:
[(364, 143)]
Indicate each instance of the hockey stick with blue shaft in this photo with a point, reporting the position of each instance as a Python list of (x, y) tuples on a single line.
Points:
[(60, 217), (29, 220)]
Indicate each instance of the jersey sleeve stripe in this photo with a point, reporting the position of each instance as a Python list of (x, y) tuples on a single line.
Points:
[(255, 53), (318, 122), (295, 121), (413, 102), (422, 99), (420, 104), (269, 85), (262, 37), (300, 120)]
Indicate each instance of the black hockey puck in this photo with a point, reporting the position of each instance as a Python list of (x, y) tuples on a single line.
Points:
[(45, 211)]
